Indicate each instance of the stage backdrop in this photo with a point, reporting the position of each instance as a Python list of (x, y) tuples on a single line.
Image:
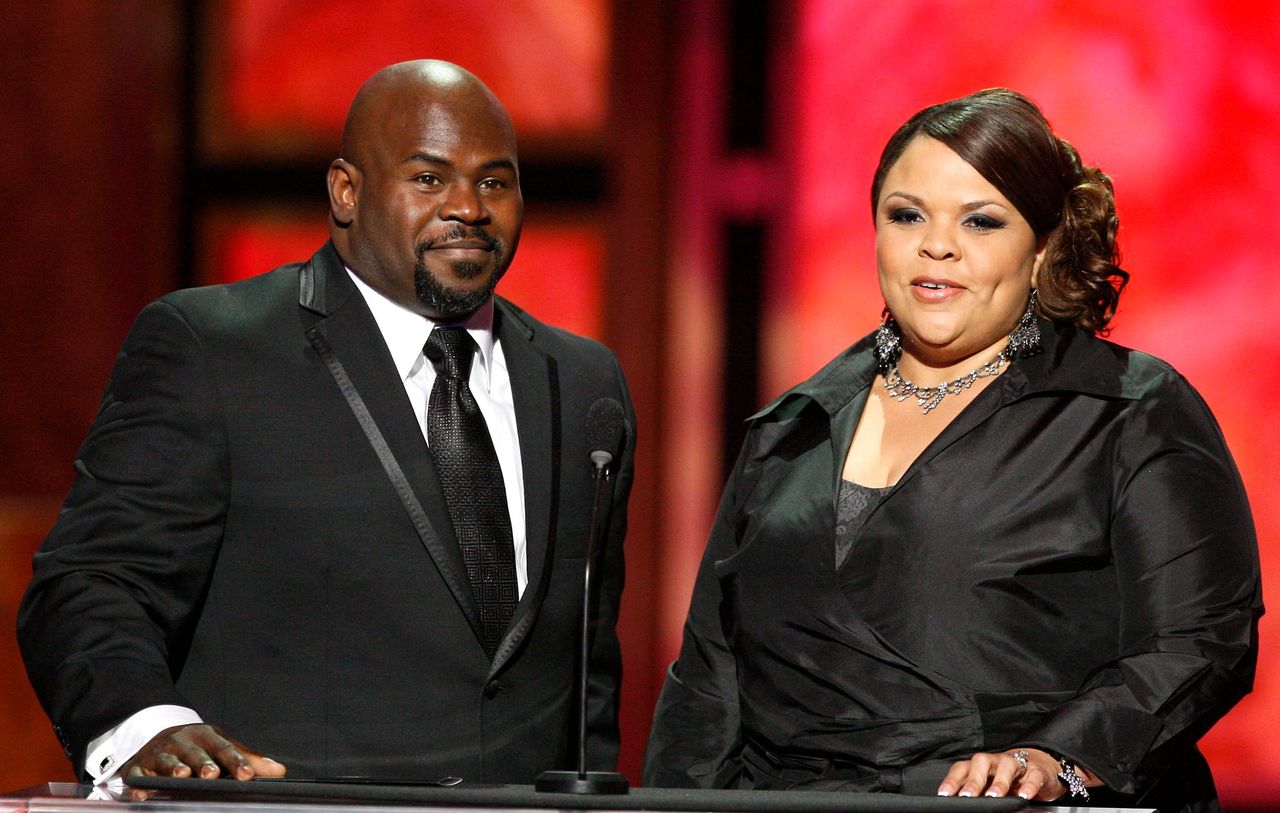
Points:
[(1179, 101), (1180, 105)]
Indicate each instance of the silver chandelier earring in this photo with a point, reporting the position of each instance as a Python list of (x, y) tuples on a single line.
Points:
[(888, 342), (1025, 338)]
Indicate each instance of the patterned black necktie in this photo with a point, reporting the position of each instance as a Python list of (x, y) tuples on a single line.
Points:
[(472, 483)]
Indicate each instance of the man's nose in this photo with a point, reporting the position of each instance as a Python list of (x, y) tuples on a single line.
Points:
[(463, 203)]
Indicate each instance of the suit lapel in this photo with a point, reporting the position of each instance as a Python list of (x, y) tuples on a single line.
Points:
[(535, 390), (348, 340)]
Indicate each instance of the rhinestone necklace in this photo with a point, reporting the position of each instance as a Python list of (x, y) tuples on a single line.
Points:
[(900, 389)]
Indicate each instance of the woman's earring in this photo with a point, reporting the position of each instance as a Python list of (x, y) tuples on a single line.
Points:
[(1025, 338), (888, 341)]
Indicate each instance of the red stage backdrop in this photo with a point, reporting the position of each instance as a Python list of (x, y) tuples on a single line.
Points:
[(1180, 103)]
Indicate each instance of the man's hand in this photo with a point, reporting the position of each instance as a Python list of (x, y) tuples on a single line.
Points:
[(198, 750)]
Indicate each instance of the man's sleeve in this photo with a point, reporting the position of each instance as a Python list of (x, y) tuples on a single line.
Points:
[(116, 747), (116, 583)]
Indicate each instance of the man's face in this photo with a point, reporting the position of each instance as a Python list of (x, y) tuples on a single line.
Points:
[(438, 209)]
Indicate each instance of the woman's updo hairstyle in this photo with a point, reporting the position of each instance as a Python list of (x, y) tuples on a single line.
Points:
[(1005, 137)]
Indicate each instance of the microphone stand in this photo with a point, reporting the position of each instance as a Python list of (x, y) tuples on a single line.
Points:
[(583, 781)]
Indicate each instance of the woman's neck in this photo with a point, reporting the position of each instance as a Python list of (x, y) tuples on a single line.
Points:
[(928, 369)]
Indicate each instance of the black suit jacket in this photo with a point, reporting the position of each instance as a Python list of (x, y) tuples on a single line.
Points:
[(234, 543)]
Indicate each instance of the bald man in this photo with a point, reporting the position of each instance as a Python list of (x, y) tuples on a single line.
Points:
[(260, 566)]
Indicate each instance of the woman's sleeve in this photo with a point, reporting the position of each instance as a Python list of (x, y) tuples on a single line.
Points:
[(1186, 560), (695, 741)]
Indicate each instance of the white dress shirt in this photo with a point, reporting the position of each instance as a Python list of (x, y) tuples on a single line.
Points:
[(405, 334)]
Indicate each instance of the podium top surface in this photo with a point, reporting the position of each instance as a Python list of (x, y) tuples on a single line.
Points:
[(293, 796)]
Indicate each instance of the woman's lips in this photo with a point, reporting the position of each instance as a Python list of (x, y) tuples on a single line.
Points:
[(934, 290)]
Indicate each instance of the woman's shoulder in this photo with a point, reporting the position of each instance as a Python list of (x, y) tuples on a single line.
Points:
[(1095, 363)]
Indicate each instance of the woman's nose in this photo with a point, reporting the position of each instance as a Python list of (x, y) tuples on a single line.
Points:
[(937, 242)]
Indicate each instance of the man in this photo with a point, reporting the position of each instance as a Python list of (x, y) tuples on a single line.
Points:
[(265, 542)]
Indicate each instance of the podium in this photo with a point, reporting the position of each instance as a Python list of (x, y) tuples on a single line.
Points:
[(298, 796)]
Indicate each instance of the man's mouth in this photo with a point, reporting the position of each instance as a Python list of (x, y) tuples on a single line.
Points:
[(460, 241), (463, 245)]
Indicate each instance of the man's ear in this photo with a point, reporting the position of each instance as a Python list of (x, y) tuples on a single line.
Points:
[(344, 188)]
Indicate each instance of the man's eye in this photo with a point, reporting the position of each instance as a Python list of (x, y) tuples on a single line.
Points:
[(493, 184), (428, 180)]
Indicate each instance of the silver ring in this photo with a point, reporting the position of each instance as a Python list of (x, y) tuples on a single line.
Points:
[(1020, 756)]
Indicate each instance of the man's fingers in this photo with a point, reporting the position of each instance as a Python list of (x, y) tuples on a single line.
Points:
[(265, 766), (202, 751), (250, 763), (167, 764), (227, 755)]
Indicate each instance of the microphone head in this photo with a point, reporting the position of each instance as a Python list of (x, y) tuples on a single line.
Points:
[(601, 458), (606, 427)]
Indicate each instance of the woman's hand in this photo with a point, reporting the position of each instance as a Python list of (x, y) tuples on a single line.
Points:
[(1027, 772)]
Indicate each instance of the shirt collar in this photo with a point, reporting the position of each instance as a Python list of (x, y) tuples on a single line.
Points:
[(1070, 360), (406, 332)]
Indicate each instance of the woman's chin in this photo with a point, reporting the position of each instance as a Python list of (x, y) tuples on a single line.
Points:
[(944, 350), (934, 343)]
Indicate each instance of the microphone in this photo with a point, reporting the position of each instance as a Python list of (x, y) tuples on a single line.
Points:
[(606, 435), (606, 431)]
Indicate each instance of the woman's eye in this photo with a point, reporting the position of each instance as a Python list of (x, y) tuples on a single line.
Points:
[(983, 223), (905, 216)]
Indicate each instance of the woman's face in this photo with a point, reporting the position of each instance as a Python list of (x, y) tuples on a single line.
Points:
[(956, 259)]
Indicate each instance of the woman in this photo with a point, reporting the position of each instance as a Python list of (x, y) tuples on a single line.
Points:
[(982, 552)]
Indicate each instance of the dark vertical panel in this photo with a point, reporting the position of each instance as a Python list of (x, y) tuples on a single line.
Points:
[(749, 65), (188, 123), (748, 62), (744, 257)]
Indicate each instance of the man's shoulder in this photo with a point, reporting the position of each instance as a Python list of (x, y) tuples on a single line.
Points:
[(239, 307), (269, 288), (513, 321)]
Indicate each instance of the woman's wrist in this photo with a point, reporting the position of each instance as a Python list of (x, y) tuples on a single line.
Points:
[(1073, 778)]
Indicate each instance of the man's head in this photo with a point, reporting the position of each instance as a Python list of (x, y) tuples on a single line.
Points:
[(425, 200)]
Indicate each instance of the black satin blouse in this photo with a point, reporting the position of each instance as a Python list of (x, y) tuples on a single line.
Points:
[(1071, 565)]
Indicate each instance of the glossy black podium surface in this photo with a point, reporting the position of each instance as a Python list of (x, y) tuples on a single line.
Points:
[(285, 796)]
